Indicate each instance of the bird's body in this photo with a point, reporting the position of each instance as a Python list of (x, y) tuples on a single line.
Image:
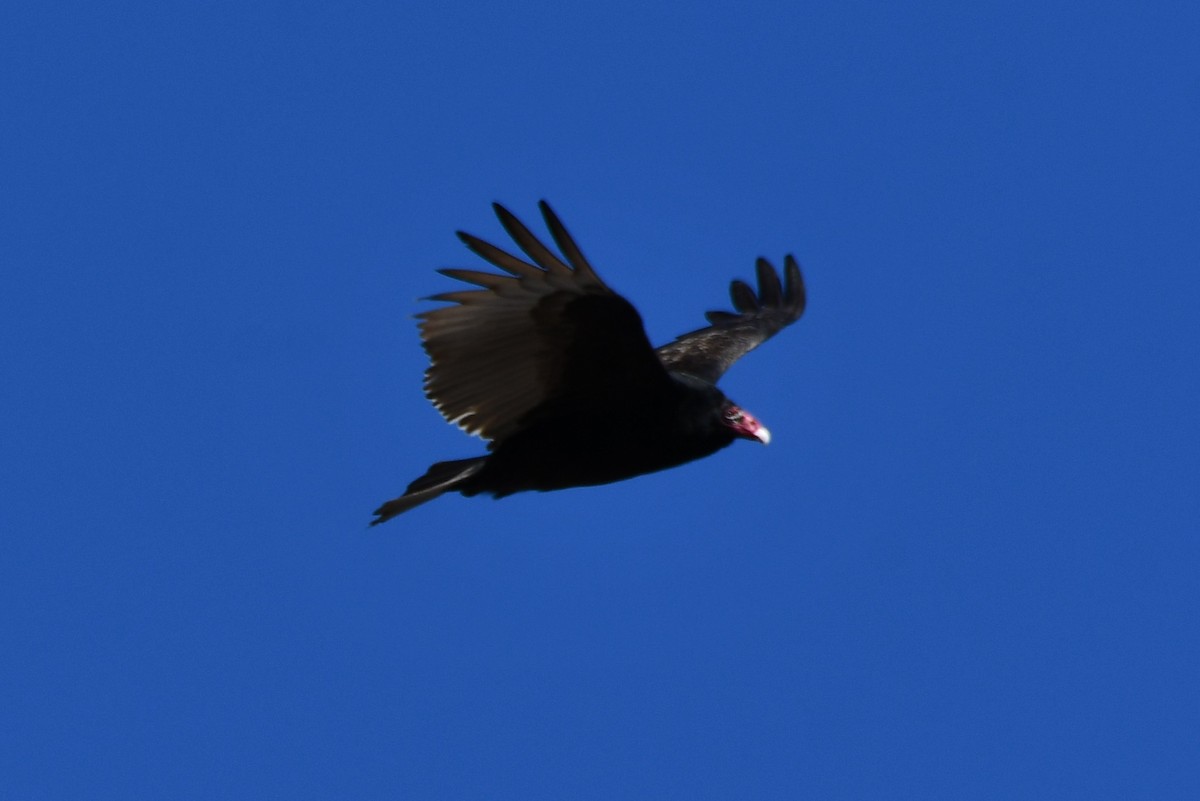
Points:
[(555, 369), (628, 441)]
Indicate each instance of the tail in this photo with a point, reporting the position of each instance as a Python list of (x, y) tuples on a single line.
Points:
[(441, 477)]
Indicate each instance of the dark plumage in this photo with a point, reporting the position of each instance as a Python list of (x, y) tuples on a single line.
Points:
[(554, 368)]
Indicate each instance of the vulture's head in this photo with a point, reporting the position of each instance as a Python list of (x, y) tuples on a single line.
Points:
[(703, 412), (743, 424)]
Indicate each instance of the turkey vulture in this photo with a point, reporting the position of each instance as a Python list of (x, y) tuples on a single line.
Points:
[(555, 370)]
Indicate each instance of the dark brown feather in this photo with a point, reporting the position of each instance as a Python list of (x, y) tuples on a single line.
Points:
[(708, 352), (544, 331)]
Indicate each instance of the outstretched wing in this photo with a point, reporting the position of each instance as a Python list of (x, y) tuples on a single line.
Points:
[(708, 352), (547, 330)]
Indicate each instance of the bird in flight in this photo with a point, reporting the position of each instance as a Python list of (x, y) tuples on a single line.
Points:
[(554, 369)]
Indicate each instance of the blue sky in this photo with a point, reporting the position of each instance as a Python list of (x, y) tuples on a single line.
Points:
[(966, 566)]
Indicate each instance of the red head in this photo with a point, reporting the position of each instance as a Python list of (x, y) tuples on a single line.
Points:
[(744, 425)]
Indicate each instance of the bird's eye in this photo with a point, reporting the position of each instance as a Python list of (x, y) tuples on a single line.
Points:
[(733, 415)]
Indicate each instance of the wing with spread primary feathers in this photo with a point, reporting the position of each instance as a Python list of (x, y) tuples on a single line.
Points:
[(546, 330), (708, 352)]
